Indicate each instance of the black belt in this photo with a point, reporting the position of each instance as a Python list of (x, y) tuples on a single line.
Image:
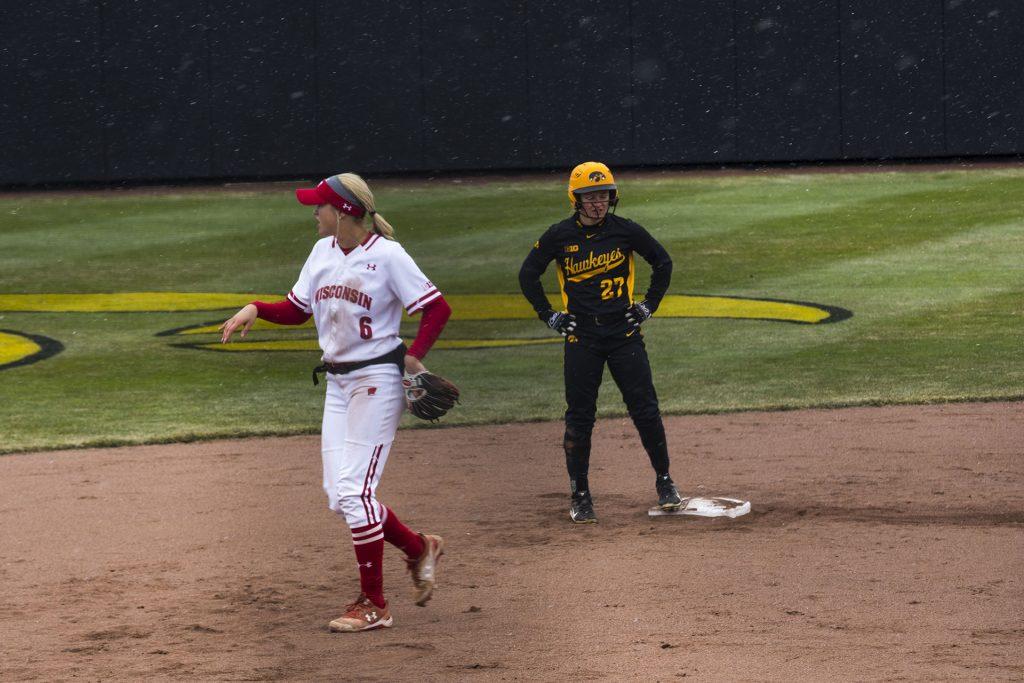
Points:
[(396, 356), (601, 320)]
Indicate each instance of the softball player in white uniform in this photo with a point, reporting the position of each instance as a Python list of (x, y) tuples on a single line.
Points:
[(356, 283)]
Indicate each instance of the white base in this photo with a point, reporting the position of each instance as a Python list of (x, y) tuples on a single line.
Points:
[(706, 507)]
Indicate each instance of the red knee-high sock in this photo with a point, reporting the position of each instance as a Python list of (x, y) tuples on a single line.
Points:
[(368, 542), (401, 536)]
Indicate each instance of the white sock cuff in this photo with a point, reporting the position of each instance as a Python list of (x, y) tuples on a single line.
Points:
[(364, 541), (375, 529)]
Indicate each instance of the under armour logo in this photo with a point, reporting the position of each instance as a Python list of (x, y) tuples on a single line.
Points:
[(370, 616), (346, 206), (371, 266), (367, 565)]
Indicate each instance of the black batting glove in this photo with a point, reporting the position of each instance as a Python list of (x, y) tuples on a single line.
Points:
[(637, 314), (563, 323)]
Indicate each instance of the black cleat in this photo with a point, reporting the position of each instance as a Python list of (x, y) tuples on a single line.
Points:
[(668, 496), (581, 509)]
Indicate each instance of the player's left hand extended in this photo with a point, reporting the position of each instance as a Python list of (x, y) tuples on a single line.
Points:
[(637, 314), (413, 365), (244, 319)]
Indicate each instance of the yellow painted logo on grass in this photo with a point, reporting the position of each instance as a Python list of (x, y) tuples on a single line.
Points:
[(127, 302), (514, 307), (18, 348), (464, 306)]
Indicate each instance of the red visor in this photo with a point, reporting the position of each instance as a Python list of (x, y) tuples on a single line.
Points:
[(325, 194)]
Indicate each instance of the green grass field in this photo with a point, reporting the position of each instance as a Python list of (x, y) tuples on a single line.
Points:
[(930, 264)]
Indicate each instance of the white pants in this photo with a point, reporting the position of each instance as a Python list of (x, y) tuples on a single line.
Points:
[(361, 414)]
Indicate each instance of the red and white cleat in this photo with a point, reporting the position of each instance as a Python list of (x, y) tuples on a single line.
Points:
[(362, 615)]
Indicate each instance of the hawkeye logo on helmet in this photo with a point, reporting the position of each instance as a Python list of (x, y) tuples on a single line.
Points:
[(596, 177)]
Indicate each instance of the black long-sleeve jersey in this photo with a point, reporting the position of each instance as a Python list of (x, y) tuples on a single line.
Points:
[(596, 272)]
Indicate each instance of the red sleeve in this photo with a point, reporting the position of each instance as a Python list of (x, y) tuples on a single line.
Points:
[(282, 312), (435, 315)]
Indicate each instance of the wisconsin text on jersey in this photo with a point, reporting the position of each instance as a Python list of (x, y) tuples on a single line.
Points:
[(345, 292), (577, 271)]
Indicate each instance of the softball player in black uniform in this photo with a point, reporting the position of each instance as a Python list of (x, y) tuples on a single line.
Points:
[(594, 252)]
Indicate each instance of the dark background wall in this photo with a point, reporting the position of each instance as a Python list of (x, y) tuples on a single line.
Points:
[(112, 90)]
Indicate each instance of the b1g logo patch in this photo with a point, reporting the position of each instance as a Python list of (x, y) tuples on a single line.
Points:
[(596, 177)]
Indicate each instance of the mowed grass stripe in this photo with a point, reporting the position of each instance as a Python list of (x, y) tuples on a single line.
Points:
[(899, 281), (945, 310), (775, 247), (929, 263)]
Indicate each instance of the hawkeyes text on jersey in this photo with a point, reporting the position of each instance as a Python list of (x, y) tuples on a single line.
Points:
[(596, 269)]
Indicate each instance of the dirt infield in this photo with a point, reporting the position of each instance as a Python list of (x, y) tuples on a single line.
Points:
[(884, 543)]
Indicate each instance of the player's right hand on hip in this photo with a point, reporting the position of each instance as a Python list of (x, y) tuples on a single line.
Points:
[(563, 323), (244, 319)]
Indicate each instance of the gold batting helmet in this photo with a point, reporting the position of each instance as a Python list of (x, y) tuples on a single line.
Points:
[(591, 176)]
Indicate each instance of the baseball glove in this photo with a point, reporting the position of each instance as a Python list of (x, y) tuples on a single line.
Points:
[(429, 396)]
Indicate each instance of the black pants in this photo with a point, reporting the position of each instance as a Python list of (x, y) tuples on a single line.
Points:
[(627, 361)]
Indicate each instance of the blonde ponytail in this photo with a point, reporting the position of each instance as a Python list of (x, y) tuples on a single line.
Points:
[(358, 187)]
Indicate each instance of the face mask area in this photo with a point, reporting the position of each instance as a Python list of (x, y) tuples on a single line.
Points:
[(596, 205)]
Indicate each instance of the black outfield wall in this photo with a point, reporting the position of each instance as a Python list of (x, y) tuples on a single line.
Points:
[(110, 90)]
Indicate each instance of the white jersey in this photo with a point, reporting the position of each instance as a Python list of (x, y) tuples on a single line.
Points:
[(357, 298)]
